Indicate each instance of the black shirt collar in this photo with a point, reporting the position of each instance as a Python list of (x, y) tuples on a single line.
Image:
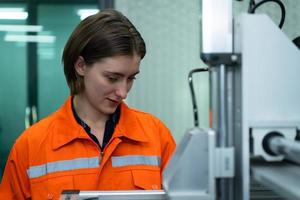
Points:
[(110, 125)]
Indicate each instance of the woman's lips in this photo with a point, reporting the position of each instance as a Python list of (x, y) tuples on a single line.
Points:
[(113, 102)]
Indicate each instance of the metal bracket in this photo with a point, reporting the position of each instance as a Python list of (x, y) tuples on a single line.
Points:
[(216, 59), (224, 162)]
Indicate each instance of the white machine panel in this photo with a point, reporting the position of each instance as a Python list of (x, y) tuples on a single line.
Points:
[(217, 26), (269, 81), (270, 73)]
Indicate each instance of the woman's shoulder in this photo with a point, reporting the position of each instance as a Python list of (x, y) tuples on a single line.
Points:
[(155, 128), (37, 130), (143, 118), (140, 114), (43, 128)]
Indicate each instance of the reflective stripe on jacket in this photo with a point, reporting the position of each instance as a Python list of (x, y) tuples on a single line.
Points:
[(57, 154)]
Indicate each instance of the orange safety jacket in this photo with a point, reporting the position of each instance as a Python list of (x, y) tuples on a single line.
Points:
[(57, 154)]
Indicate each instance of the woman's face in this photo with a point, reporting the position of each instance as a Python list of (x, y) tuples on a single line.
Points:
[(108, 82)]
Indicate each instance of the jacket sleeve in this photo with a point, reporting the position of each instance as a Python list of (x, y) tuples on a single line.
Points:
[(15, 183), (168, 145)]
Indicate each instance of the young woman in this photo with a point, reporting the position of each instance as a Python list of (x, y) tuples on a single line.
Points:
[(94, 141)]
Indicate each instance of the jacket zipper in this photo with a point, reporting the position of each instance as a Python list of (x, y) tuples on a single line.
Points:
[(100, 157)]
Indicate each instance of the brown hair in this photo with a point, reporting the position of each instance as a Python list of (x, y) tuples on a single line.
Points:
[(106, 34)]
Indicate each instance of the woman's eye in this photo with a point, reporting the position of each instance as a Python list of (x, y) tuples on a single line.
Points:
[(132, 78), (112, 79)]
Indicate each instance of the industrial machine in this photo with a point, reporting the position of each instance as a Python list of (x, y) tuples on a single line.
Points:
[(255, 116)]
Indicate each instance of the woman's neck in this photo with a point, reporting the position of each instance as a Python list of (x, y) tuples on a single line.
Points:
[(87, 112)]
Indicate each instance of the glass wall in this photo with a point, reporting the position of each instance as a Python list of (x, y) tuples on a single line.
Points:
[(12, 82), (54, 25)]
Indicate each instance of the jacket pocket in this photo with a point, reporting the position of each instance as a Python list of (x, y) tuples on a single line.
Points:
[(147, 179), (51, 188)]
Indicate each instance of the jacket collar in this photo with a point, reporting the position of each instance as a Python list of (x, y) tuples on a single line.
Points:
[(129, 125), (66, 128)]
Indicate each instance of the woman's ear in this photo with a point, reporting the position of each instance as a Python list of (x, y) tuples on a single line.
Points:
[(80, 66)]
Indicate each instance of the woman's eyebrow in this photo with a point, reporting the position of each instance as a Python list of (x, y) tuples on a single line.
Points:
[(120, 74), (135, 73)]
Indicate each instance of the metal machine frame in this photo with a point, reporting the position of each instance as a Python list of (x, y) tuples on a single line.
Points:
[(253, 92)]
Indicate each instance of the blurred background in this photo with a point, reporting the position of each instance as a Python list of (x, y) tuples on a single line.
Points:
[(33, 34)]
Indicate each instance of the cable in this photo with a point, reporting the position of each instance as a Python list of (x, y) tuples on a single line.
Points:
[(194, 102), (253, 6), (296, 41)]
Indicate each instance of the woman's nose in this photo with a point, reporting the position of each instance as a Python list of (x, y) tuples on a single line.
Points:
[(122, 90)]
